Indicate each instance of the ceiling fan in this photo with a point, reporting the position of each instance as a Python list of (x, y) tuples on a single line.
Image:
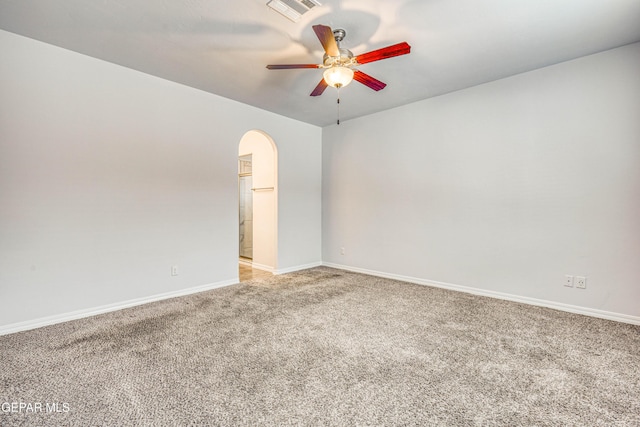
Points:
[(340, 64)]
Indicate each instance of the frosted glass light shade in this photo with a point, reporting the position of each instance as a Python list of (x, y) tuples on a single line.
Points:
[(338, 76)]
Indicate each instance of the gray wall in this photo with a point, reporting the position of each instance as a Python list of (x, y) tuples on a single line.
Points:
[(504, 187), (108, 177)]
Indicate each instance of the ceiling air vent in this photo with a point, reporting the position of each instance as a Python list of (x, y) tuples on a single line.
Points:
[(293, 9)]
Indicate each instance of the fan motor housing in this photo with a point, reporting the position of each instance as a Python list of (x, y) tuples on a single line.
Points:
[(345, 59), (346, 56)]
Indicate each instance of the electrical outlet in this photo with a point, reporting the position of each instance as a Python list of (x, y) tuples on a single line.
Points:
[(568, 281), (174, 270), (581, 282), (342, 251)]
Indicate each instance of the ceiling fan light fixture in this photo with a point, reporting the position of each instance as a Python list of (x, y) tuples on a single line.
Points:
[(338, 76)]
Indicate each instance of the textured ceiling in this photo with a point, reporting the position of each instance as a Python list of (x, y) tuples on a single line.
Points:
[(223, 46)]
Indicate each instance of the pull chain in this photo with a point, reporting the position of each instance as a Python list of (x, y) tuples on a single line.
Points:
[(338, 105)]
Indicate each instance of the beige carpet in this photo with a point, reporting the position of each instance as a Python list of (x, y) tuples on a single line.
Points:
[(325, 347)]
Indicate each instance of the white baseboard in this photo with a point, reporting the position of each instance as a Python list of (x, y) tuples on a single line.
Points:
[(262, 267), (624, 318), (297, 268), (65, 317)]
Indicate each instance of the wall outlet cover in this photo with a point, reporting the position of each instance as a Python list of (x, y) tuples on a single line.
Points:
[(568, 281)]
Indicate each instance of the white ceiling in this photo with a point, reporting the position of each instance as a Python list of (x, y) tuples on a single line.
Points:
[(222, 46)]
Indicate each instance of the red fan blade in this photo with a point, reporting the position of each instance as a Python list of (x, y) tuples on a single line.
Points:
[(367, 80), (320, 88), (325, 34), (291, 66), (384, 53)]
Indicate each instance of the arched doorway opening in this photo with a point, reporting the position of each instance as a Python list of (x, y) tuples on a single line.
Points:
[(258, 201)]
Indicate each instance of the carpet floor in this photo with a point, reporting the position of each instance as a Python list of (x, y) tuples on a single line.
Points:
[(324, 347)]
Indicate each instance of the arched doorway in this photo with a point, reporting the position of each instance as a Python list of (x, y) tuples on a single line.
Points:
[(258, 197)]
